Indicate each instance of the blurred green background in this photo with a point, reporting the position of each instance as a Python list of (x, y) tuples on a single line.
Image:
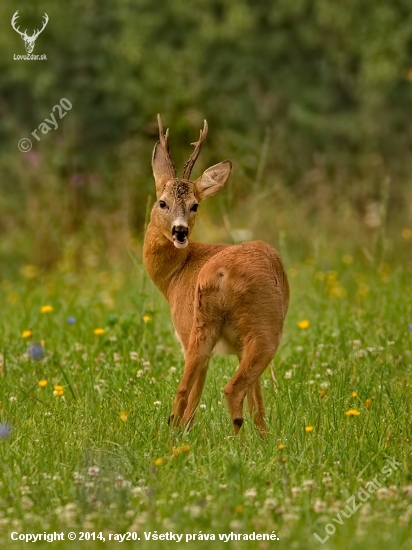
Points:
[(311, 100)]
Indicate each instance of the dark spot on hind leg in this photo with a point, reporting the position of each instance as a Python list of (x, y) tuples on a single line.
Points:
[(238, 422), (170, 419)]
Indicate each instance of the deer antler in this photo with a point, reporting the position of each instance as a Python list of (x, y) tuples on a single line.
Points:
[(164, 143), (188, 167), (13, 24), (46, 20)]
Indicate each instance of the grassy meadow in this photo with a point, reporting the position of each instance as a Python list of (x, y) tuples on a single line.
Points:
[(311, 101), (90, 451)]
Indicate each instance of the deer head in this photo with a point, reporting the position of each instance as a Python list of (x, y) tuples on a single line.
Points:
[(178, 198), (29, 41)]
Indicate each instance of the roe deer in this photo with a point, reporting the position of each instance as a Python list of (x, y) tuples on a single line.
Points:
[(223, 298)]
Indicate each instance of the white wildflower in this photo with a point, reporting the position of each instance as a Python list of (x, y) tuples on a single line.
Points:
[(94, 471)]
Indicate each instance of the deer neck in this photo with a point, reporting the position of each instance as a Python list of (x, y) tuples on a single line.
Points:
[(162, 259)]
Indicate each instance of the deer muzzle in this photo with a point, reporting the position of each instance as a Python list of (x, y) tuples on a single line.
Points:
[(180, 234)]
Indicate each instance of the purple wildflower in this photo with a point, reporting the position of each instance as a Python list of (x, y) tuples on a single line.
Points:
[(36, 351), (5, 430)]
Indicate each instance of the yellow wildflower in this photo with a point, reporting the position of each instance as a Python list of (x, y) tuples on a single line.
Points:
[(331, 277), (337, 291), (158, 462), (322, 394), (363, 290), (99, 331), (26, 334), (407, 233), (46, 309), (409, 75), (13, 298), (354, 394), (42, 383), (175, 451), (239, 509), (304, 324), (123, 416), (29, 271), (385, 273), (58, 390), (185, 448), (347, 259), (146, 318), (368, 403), (309, 429), (281, 446), (352, 412)]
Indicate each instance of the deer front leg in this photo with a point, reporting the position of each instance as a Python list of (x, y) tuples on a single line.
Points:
[(195, 365), (201, 343), (203, 338), (194, 397), (257, 406)]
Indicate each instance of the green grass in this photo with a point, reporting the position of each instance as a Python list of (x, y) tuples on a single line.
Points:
[(358, 340)]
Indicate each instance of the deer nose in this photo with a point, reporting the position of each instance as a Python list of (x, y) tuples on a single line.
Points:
[(180, 232)]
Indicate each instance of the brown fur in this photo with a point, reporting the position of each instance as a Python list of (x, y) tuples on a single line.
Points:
[(232, 298)]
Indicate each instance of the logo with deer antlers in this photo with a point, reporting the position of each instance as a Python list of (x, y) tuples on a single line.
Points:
[(29, 41)]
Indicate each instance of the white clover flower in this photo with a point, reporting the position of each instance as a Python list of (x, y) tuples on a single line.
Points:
[(308, 484), (319, 506), (383, 493), (327, 480), (195, 511), (251, 493), (270, 504)]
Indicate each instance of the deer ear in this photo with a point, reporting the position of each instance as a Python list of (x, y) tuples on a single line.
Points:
[(162, 168), (212, 180)]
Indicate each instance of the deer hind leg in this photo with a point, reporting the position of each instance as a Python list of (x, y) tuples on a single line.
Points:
[(255, 358), (257, 406)]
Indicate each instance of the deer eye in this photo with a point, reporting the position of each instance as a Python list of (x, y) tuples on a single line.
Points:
[(194, 208), (162, 204)]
